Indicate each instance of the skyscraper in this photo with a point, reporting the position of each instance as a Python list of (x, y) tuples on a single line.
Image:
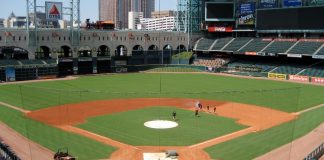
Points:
[(117, 10)]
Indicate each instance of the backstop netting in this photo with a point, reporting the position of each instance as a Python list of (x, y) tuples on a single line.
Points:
[(103, 123)]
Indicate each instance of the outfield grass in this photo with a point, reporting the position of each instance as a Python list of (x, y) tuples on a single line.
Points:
[(128, 127), (257, 144), (53, 138), (164, 85)]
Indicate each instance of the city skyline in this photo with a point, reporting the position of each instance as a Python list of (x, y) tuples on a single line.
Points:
[(117, 11), (86, 7)]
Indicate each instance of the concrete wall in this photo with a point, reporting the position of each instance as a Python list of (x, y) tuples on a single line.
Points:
[(54, 39)]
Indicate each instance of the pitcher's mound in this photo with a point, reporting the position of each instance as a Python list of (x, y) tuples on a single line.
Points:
[(160, 124)]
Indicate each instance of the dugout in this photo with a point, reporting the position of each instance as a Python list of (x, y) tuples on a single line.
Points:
[(2, 74), (65, 67), (85, 65), (103, 65)]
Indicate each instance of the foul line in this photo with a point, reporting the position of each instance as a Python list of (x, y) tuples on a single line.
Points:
[(14, 107), (309, 109)]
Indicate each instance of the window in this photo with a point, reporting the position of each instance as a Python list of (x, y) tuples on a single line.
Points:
[(89, 38), (42, 38), (64, 38), (13, 38), (69, 38), (19, 38), (103, 38), (59, 38), (84, 38), (47, 38), (25, 38), (0, 38)]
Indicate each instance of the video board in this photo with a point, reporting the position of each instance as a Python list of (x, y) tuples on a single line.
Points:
[(290, 18), (219, 11)]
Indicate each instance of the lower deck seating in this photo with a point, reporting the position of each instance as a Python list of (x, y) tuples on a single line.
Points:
[(9, 63), (279, 47), (218, 62), (204, 44), (288, 69)]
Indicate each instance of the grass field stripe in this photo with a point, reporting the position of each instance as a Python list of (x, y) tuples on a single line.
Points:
[(14, 107)]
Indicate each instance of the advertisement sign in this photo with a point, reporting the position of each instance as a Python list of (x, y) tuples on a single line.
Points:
[(277, 76), (251, 53), (10, 74), (292, 3), (210, 69), (318, 56), (220, 29), (268, 3), (246, 16), (54, 10), (299, 78), (317, 80), (294, 55)]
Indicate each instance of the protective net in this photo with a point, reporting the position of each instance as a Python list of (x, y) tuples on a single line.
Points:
[(93, 122)]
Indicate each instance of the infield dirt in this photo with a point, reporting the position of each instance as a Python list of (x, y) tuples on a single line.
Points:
[(68, 115)]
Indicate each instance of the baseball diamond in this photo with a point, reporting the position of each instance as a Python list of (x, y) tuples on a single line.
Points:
[(213, 80)]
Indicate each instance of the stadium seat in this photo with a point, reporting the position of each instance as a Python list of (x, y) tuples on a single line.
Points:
[(205, 44), (279, 47), (221, 43), (236, 44), (308, 48), (255, 46)]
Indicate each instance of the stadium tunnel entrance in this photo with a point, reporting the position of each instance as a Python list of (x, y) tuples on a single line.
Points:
[(85, 61), (66, 62), (43, 52), (103, 59), (13, 52)]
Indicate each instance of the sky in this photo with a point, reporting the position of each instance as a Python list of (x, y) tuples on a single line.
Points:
[(89, 8)]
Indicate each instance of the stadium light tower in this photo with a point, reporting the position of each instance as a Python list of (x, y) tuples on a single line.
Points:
[(73, 11), (189, 16)]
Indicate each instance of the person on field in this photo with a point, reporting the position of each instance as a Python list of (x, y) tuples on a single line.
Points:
[(197, 105), (196, 113), (174, 114), (215, 109), (208, 108)]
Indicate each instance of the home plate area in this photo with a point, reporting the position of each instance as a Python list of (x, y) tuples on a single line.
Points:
[(168, 155)]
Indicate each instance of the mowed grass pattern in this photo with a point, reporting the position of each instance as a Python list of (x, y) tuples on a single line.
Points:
[(257, 144), (128, 127), (33, 96), (53, 138)]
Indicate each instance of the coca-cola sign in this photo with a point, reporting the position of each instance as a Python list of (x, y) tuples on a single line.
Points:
[(220, 29)]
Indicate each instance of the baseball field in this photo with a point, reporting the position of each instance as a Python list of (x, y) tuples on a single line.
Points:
[(102, 117)]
